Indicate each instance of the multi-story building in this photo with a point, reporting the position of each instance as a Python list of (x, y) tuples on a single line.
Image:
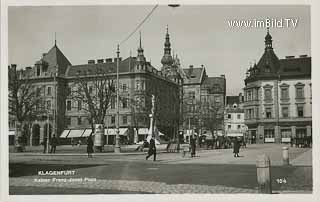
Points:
[(234, 117), (204, 100), (138, 81), (278, 98)]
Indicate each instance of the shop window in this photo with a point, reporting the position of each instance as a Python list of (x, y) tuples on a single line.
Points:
[(269, 133), (113, 119)]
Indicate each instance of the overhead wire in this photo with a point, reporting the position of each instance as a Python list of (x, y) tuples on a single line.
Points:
[(139, 25)]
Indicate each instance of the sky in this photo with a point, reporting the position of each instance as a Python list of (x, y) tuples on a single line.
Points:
[(200, 35)]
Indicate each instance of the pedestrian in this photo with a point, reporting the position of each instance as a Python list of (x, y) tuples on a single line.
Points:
[(236, 147), (193, 146), (44, 143), (152, 149), (53, 143), (90, 146)]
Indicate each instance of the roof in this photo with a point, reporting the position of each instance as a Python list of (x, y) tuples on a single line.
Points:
[(268, 60), (232, 99), (55, 58), (193, 75), (107, 67), (295, 66), (217, 84)]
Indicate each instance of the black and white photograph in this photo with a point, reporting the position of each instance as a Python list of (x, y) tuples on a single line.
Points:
[(150, 99)]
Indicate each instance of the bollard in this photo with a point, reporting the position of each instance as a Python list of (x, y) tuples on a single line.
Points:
[(264, 174), (285, 156)]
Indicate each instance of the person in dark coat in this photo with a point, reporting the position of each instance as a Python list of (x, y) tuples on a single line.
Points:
[(236, 147), (152, 149), (90, 146), (54, 143), (193, 146)]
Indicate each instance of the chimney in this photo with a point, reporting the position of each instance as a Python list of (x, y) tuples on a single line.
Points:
[(303, 56), (90, 62), (100, 61), (115, 59), (108, 60), (290, 56)]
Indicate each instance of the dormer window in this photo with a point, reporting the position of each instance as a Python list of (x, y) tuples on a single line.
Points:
[(267, 69)]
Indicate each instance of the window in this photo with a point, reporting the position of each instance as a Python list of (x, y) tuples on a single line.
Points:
[(125, 103), (192, 95), (113, 119), (49, 91), (138, 86), (229, 127), (269, 133), (267, 94), (79, 121), (79, 105), (249, 95), (69, 105), (284, 93), (124, 119), (90, 89), (285, 133), (48, 104), (229, 116), (299, 92), (217, 99), (300, 111), (124, 87), (38, 70), (268, 113), (68, 121), (239, 116), (285, 112), (239, 127), (301, 132)]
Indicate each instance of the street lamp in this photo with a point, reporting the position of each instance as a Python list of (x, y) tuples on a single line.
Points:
[(117, 144)]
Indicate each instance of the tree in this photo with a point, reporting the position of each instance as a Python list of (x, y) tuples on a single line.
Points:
[(95, 92), (212, 117), (24, 100)]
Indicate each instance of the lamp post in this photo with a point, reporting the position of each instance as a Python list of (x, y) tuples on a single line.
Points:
[(117, 145)]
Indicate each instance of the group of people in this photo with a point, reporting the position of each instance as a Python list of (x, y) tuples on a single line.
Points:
[(53, 143)]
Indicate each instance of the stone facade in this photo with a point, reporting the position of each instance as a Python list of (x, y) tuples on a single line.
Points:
[(278, 99)]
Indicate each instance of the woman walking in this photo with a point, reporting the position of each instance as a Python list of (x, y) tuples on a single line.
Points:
[(90, 146)]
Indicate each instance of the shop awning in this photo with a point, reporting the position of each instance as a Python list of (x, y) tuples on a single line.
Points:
[(112, 131), (235, 134), (12, 132), (87, 133), (64, 134), (143, 131), (75, 133)]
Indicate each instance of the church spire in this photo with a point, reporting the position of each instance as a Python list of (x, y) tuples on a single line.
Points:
[(268, 41), (140, 56), (167, 58)]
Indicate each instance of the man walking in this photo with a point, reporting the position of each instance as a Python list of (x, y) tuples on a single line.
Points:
[(54, 142), (193, 146), (152, 149), (236, 147)]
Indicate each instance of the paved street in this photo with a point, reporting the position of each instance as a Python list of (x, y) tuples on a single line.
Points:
[(212, 171)]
